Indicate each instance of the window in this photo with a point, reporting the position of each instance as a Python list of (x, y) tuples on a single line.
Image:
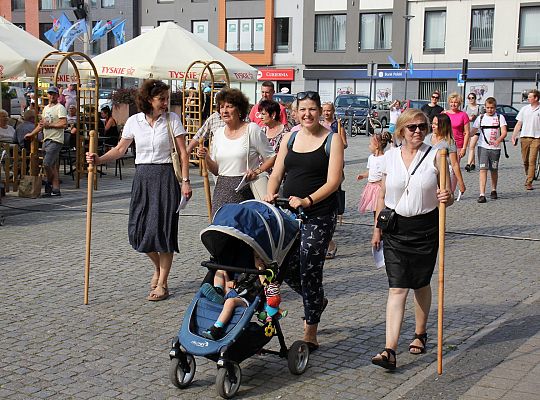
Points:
[(245, 34), (165, 1), (375, 31), (528, 27), (482, 29), (107, 3), (159, 23), (282, 35), (200, 29), (110, 41), (17, 5), (330, 32), (434, 31), (42, 29), (54, 4), (426, 88)]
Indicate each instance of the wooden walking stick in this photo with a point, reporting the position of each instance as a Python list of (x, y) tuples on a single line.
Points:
[(443, 170), (91, 177), (206, 181)]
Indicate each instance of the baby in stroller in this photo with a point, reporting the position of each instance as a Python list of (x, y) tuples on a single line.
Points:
[(231, 293)]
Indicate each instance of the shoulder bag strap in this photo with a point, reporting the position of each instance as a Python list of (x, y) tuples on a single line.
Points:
[(171, 136), (247, 154), (412, 173), (328, 144), (290, 143)]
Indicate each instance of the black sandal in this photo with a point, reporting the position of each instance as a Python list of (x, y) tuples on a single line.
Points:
[(423, 339), (385, 360)]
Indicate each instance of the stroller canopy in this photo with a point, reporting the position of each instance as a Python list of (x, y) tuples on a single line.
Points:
[(266, 229)]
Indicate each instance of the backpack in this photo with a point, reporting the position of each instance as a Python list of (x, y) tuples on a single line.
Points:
[(327, 146), (481, 129)]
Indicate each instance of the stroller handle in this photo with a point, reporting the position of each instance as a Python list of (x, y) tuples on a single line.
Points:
[(230, 268), (283, 202)]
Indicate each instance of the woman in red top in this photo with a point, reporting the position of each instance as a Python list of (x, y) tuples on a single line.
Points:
[(460, 124)]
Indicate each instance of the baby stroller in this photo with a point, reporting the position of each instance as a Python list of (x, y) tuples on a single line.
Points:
[(237, 231)]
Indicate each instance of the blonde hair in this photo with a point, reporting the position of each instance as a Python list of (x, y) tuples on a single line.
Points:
[(329, 103), (406, 117), (455, 96)]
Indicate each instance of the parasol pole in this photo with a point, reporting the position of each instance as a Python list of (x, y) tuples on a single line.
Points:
[(91, 177), (443, 170), (204, 173)]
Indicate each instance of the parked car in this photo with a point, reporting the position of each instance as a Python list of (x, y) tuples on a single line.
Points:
[(352, 105), (105, 98), (284, 98), (510, 114), (381, 111), (416, 104)]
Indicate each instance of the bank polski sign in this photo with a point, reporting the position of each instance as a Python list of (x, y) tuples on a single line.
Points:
[(390, 74)]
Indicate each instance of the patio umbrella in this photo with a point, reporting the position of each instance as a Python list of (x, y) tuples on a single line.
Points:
[(166, 53), (20, 52)]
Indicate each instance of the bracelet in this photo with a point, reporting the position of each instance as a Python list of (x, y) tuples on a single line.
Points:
[(258, 171), (310, 200), (186, 180)]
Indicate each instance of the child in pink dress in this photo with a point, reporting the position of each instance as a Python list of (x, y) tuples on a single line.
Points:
[(368, 200)]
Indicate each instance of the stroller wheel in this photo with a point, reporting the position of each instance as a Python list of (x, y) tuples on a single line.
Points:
[(228, 380), (181, 376), (298, 357)]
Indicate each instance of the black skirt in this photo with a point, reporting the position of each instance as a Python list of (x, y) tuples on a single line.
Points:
[(410, 251), (224, 192), (153, 221)]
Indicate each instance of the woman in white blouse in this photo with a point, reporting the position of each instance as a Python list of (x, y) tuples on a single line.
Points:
[(229, 159), (410, 187), (153, 221)]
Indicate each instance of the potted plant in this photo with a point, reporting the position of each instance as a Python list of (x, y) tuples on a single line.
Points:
[(123, 101)]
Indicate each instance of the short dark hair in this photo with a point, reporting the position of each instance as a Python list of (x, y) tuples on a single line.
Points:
[(491, 101), (271, 107), (268, 84), (149, 89), (236, 98)]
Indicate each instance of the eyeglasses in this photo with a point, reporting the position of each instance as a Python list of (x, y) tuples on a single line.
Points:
[(309, 95), (413, 127), (435, 97), (471, 98)]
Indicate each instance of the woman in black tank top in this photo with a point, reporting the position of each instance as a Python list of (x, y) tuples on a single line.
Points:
[(312, 161)]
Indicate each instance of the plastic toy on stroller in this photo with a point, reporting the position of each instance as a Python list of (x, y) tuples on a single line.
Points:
[(236, 233)]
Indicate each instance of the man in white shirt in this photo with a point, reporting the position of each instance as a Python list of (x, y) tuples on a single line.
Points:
[(53, 122), (491, 130), (528, 130)]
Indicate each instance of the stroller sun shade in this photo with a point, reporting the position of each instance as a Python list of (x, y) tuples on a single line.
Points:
[(266, 229)]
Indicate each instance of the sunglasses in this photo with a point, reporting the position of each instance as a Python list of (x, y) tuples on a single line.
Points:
[(471, 98), (412, 128), (435, 97), (308, 95)]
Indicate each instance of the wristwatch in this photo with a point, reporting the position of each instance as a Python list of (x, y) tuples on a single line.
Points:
[(186, 180)]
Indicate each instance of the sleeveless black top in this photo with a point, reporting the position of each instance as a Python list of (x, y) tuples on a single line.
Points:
[(305, 174)]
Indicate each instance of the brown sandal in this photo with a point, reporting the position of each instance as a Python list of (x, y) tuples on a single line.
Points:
[(385, 360), (156, 297)]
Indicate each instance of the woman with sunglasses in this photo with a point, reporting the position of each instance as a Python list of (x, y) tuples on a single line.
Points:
[(410, 188), (460, 124), (313, 172), (155, 194), (473, 110)]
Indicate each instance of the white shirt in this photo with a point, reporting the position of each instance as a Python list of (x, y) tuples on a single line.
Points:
[(421, 194), (530, 120), (491, 134), (394, 114), (374, 165), (230, 155), (7, 134), (153, 143)]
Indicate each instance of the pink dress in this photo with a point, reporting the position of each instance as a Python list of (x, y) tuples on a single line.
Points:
[(370, 194), (459, 120)]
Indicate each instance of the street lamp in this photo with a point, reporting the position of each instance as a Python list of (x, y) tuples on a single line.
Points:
[(406, 49)]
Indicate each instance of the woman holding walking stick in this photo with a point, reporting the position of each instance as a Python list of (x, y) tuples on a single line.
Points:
[(410, 192), (155, 195)]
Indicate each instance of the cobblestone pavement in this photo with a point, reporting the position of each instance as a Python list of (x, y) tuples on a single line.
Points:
[(52, 346)]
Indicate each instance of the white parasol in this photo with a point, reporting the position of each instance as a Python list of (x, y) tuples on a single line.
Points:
[(166, 53)]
